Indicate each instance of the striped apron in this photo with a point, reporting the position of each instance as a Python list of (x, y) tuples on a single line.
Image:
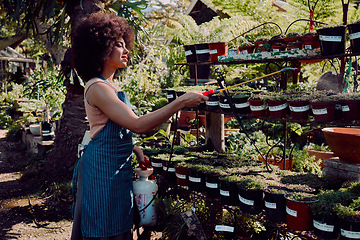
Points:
[(105, 182)]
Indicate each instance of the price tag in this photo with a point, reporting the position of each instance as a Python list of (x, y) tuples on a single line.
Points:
[(188, 52), (214, 51), (202, 51), (246, 201), (323, 226), (270, 205), (211, 185), (307, 47), (165, 168), (330, 38), (155, 164), (212, 103), (300, 109), (321, 111), (224, 193), (345, 108), (278, 107), (181, 176), (276, 50), (350, 234), (170, 96), (224, 105), (242, 105), (354, 35), (257, 108), (194, 179), (291, 212), (244, 52), (223, 228)]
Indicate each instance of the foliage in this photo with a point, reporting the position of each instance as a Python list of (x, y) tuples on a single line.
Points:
[(302, 196), (303, 162), (328, 199)]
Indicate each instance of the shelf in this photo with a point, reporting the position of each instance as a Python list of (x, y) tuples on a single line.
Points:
[(265, 57)]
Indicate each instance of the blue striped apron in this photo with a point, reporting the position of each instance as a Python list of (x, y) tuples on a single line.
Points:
[(106, 181)]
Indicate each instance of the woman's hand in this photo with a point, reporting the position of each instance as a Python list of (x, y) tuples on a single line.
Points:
[(143, 161), (192, 98)]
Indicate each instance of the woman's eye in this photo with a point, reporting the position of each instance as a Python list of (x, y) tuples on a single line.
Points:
[(119, 45)]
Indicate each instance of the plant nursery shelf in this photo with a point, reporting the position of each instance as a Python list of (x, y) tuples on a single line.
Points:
[(265, 57)]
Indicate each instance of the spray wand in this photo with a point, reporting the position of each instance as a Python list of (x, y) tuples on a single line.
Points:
[(210, 92)]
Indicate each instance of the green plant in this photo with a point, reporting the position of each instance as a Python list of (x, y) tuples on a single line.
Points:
[(350, 212), (251, 183), (303, 162), (292, 34), (327, 201), (302, 196)]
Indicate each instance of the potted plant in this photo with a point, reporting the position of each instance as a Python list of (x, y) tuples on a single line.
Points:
[(296, 45), (350, 106), (224, 104), (299, 105), (246, 48), (228, 189), (349, 219), (212, 104), (277, 104), (326, 222), (323, 106), (298, 212), (251, 195), (196, 177), (292, 37), (277, 39), (241, 102), (310, 41), (278, 46), (354, 29), (257, 105), (264, 48), (212, 175), (274, 202), (332, 40)]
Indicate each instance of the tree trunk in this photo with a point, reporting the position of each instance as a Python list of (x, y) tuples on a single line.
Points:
[(72, 125)]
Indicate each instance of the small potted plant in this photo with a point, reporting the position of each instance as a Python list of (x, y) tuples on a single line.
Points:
[(292, 37), (310, 41), (349, 219), (258, 105), (278, 47), (350, 106), (246, 48), (295, 45), (323, 105), (251, 194), (241, 102), (277, 104), (298, 212), (299, 105)]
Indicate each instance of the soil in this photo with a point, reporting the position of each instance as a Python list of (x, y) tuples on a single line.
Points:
[(28, 210)]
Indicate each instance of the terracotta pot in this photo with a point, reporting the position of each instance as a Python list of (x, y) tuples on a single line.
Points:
[(287, 40), (278, 109), (246, 49), (344, 142), (185, 118), (217, 49), (310, 42), (294, 46), (289, 162), (278, 48), (298, 214), (323, 111), (257, 107), (299, 110)]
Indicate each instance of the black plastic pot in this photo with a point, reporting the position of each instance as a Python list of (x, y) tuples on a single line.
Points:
[(190, 53), (212, 185), (157, 165), (202, 52), (169, 171), (196, 180), (349, 229), (251, 201), (228, 193), (212, 105), (326, 226), (170, 95), (224, 104), (274, 205), (332, 40), (241, 104), (203, 75), (354, 35)]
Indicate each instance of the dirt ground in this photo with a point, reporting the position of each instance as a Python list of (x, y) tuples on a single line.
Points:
[(24, 212)]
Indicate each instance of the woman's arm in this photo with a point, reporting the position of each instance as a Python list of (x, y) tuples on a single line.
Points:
[(103, 97)]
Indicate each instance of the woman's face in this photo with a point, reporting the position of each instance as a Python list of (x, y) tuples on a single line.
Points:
[(119, 55)]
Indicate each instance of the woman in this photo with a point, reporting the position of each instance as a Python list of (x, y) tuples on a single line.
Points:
[(104, 206)]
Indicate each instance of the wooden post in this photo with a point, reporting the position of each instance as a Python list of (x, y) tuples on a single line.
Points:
[(215, 131)]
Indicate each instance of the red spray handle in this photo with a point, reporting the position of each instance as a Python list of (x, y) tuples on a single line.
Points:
[(210, 92)]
